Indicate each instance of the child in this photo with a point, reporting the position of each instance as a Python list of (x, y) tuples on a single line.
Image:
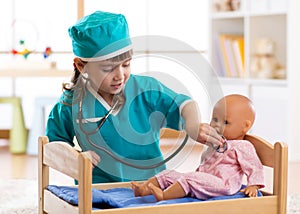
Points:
[(106, 107), (219, 173)]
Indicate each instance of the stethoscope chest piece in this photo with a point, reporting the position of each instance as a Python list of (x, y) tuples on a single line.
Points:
[(222, 149)]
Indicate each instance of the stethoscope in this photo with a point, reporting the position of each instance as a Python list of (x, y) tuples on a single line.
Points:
[(102, 120), (223, 148), (87, 134)]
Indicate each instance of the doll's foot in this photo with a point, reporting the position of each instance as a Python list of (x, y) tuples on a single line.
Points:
[(140, 189), (156, 191)]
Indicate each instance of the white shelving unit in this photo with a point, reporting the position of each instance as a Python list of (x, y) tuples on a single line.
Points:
[(276, 100), (252, 25)]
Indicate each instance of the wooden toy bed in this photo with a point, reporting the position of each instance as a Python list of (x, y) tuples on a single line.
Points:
[(64, 158)]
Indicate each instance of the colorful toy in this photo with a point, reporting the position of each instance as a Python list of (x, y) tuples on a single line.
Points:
[(25, 52), (47, 52)]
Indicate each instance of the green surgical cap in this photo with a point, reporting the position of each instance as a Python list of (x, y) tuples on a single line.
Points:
[(100, 36)]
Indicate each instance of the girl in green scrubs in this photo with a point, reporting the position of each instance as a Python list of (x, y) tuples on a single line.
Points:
[(136, 107)]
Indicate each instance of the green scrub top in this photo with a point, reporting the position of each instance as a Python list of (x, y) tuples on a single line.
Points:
[(131, 134)]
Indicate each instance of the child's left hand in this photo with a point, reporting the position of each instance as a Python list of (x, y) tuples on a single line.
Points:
[(93, 156), (250, 191)]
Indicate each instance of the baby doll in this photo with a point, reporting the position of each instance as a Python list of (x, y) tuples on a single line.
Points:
[(219, 173)]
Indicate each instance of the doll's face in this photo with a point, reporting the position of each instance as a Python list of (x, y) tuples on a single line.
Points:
[(232, 118)]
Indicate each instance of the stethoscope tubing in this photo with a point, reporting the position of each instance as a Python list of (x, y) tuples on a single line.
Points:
[(110, 153)]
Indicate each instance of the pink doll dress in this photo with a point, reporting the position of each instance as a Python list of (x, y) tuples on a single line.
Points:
[(219, 173)]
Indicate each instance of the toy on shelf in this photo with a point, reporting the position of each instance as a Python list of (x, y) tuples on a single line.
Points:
[(25, 52), (226, 5), (24, 39), (263, 63), (47, 52)]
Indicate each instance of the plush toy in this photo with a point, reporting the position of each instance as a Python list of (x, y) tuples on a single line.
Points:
[(226, 5), (264, 63)]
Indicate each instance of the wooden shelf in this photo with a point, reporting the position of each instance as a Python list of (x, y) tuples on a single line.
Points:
[(227, 15)]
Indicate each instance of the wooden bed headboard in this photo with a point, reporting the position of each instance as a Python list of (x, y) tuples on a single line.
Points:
[(264, 149), (276, 157)]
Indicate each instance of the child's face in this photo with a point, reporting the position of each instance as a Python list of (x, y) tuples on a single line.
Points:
[(109, 77), (228, 120)]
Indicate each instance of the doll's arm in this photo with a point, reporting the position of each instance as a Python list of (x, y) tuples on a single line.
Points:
[(251, 166), (251, 191)]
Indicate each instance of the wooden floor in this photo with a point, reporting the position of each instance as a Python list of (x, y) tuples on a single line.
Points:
[(26, 167)]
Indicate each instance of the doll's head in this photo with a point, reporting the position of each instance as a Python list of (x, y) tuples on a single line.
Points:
[(233, 116)]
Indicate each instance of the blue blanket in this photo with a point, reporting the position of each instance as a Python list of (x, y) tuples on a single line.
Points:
[(123, 197)]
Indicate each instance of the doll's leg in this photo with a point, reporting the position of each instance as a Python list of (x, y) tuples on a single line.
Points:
[(172, 192), (142, 189)]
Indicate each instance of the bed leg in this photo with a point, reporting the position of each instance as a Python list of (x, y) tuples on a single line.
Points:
[(85, 185), (43, 173), (280, 176)]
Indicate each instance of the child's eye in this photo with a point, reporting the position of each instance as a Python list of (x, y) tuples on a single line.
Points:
[(226, 122), (107, 69), (126, 65)]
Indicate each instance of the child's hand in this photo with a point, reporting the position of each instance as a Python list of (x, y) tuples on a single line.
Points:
[(94, 157), (208, 135), (251, 191)]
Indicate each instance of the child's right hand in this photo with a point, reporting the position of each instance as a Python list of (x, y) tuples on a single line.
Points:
[(208, 135), (94, 157)]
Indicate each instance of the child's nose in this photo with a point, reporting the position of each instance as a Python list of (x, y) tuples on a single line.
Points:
[(119, 72)]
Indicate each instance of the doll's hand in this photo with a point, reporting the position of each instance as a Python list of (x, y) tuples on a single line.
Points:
[(93, 156), (208, 135), (251, 191)]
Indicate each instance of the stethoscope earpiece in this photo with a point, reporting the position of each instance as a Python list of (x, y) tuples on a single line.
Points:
[(85, 75)]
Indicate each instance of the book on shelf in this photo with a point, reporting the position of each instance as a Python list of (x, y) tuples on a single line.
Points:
[(230, 50), (220, 69), (224, 62), (238, 49)]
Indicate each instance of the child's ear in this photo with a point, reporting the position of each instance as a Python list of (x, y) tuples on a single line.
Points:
[(247, 125), (79, 64)]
